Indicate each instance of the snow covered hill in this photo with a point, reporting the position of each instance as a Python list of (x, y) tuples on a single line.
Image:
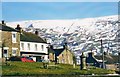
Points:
[(82, 35)]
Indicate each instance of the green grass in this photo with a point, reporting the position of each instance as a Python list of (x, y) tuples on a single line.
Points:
[(31, 69)]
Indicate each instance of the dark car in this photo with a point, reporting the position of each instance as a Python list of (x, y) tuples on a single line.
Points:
[(14, 58)]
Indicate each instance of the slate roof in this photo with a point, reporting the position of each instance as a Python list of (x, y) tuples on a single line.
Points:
[(50, 50), (3, 27), (91, 58), (30, 37), (58, 51), (109, 60)]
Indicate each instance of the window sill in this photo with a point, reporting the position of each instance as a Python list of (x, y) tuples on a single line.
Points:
[(14, 42)]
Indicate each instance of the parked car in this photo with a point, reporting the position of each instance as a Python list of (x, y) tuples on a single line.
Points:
[(15, 58), (27, 59), (23, 59), (39, 60)]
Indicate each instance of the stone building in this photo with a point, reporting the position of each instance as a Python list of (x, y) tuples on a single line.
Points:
[(63, 55), (51, 54), (9, 41), (92, 60)]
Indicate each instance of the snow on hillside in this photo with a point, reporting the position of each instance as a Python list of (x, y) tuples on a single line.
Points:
[(80, 34), (61, 24)]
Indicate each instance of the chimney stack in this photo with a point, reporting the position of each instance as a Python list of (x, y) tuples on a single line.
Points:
[(3, 22), (91, 54), (36, 32), (18, 28), (51, 46), (65, 46)]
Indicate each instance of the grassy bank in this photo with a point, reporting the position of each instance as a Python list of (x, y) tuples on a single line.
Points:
[(31, 69)]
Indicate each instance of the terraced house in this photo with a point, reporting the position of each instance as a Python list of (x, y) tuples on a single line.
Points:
[(9, 41), (15, 42), (32, 45)]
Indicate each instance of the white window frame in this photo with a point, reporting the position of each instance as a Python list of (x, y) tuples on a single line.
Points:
[(5, 48), (14, 39), (22, 46), (28, 45), (42, 47), (36, 47), (15, 50)]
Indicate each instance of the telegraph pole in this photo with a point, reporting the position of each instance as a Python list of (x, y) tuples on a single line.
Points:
[(119, 61), (102, 55)]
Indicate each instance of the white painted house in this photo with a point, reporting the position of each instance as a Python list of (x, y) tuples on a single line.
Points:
[(33, 46)]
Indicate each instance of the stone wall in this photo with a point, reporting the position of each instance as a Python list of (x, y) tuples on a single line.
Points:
[(66, 57), (110, 67), (51, 57), (7, 42)]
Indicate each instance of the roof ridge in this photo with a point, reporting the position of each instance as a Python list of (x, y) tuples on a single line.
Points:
[(4, 27)]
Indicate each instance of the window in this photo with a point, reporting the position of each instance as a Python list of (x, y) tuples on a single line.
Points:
[(14, 37), (22, 46), (62, 55), (63, 60), (35, 47), (28, 46), (13, 52), (0, 36), (42, 47), (5, 52)]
